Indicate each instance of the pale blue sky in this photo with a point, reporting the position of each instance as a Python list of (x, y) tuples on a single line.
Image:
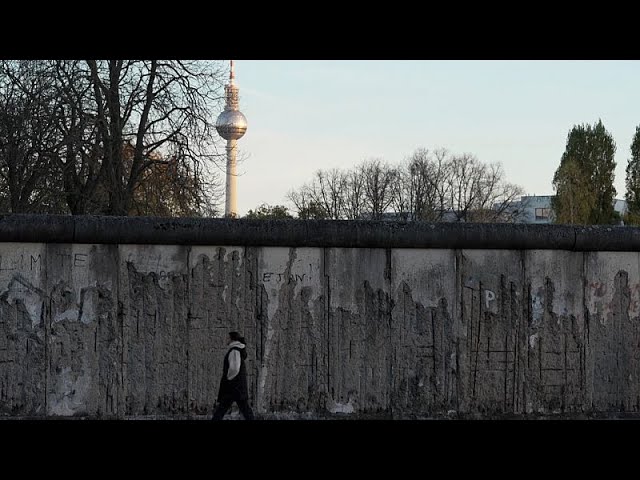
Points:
[(307, 115)]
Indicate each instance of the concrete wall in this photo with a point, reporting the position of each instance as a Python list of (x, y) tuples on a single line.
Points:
[(133, 326)]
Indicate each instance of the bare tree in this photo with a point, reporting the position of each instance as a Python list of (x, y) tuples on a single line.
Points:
[(404, 188), (307, 206), (329, 189), (439, 182), (165, 107), (301, 198), (378, 186), (478, 191), (496, 196), (79, 154), (429, 186), (435, 186), (354, 200), (464, 185), (27, 134), (170, 189), (420, 187), (164, 110), (325, 195)]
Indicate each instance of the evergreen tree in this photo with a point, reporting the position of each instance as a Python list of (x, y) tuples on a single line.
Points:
[(584, 179), (268, 212), (633, 182)]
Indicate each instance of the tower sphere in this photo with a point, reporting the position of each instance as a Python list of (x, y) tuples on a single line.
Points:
[(231, 124)]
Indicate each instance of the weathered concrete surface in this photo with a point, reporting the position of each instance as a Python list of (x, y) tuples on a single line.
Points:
[(291, 358), (153, 292), (84, 339), (612, 281), (23, 336), (556, 337), (222, 297), (359, 329), (491, 376), (106, 330), (425, 332)]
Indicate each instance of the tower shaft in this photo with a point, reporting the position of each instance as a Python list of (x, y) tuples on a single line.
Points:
[(231, 125), (230, 208)]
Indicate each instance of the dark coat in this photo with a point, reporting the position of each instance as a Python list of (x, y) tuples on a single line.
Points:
[(236, 388)]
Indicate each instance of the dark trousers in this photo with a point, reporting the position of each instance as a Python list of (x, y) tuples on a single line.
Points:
[(225, 404)]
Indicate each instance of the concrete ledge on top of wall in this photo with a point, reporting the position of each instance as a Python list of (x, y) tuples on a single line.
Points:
[(313, 233)]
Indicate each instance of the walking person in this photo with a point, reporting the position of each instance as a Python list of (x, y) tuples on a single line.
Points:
[(233, 384)]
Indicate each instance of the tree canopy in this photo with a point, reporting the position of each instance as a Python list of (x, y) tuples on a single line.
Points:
[(269, 212), (584, 179), (429, 186), (633, 181), (99, 136)]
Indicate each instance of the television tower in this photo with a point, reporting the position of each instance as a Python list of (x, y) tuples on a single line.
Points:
[(231, 125)]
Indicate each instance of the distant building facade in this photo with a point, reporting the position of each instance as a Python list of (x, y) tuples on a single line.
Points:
[(621, 207), (537, 208), (532, 209)]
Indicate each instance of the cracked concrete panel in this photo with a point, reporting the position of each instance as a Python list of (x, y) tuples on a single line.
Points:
[(23, 301), (556, 376), (84, 333), (154, 304), (424, 355), (612, 284), (291, 330), (222, 299), (492, 313), (360, 352)]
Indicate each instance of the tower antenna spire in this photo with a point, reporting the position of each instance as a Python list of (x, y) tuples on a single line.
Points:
[(231, 125)]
